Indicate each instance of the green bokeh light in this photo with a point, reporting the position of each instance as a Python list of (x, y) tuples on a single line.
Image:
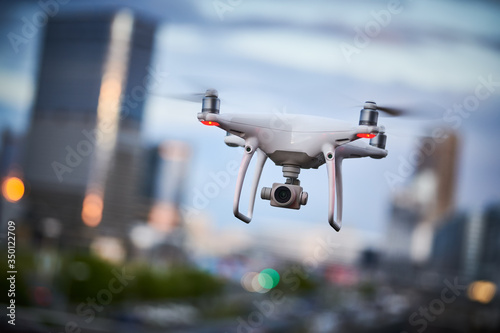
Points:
[(268, 278)]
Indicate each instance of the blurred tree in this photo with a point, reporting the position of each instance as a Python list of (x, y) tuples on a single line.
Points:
[(177, 282)]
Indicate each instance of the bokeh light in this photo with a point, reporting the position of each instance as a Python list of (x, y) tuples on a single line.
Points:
[(250, 282), (108, 248), (92, 210), (260, 282), (268, 278), (145, 237), (164, 217), (42, 296), (482, 291), (13, 189)]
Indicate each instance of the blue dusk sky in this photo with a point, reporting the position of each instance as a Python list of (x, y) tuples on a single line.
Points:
[(322, 58)]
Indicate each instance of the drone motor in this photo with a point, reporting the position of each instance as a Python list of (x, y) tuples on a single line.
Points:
[(380, 139), (369, 114), (211, 102)]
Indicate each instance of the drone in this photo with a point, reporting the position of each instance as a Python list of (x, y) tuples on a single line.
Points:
[(296, 142)]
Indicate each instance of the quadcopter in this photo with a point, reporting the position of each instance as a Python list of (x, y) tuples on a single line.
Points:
[(296, 142)]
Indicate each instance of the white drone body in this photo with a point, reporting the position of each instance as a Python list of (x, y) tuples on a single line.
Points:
[(295, 142)]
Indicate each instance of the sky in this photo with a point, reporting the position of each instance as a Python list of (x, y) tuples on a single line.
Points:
[(322, 58)]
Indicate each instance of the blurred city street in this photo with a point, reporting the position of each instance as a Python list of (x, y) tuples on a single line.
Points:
[(116, 205)]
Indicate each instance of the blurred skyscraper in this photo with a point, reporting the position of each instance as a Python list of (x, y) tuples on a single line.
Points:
[(83, 149), (490, 241), (420, 207), (10, 149), (469, 245), (164, 173), (165, 168)]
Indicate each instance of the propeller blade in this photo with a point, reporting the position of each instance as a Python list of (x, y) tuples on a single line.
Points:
[(195, 98), (423, 110), (395, 112), (190, 97)]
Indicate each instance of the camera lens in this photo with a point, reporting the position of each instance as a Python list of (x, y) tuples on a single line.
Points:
[(282, 194)]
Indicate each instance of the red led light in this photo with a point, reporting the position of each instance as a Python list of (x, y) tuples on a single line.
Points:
[(366, 135), (209, 123)]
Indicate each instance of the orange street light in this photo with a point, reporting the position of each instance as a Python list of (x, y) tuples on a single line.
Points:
[(13, 189)]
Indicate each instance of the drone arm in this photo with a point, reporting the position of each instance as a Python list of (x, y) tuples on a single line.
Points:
[(261, 160), (338, 180), (329, 153), (351, 150), (250, 148)]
